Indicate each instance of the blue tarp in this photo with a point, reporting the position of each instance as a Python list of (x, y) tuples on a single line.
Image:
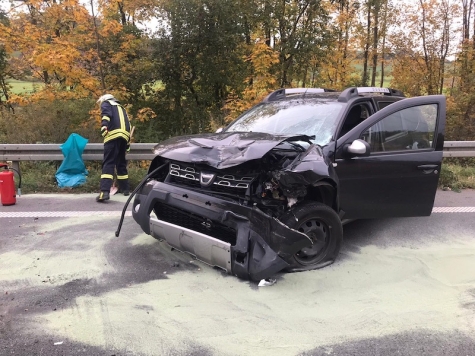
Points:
[(72, 171)]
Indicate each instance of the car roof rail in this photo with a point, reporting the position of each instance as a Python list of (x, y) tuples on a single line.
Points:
[(349, 93), (282, 93)]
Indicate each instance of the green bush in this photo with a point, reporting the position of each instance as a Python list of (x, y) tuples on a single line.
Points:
[(448, 178), (39, 177), (457, 174), (49, 122)]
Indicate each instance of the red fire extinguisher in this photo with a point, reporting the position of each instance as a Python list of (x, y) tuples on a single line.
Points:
[(7, 185)]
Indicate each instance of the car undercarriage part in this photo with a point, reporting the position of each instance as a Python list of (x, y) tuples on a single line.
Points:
[(140, 185)]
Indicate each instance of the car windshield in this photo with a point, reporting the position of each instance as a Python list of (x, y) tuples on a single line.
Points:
[(312, 118)]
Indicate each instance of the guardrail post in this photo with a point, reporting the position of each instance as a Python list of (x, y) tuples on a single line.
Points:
[(16, 165)]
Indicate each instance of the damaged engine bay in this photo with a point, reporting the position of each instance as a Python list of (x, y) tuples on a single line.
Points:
[(273, 183)]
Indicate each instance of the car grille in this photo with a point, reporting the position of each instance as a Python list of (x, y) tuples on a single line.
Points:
[(194, 222), (194, 177)]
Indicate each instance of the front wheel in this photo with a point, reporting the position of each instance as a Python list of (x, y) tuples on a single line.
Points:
[(323, 226)]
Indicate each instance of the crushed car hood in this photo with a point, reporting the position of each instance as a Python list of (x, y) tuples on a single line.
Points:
[(222, 150)]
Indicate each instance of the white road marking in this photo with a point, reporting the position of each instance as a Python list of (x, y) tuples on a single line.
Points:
[(60, 214), (454, 209)]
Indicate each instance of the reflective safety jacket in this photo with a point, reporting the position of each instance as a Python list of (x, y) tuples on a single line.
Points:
[(116, 120)]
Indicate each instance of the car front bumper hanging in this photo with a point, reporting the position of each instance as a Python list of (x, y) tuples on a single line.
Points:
[(262, 243)]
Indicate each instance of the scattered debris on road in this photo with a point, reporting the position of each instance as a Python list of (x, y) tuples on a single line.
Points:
[(267, 282)]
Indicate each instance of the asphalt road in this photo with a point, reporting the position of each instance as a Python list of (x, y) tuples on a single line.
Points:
[(68, 286)]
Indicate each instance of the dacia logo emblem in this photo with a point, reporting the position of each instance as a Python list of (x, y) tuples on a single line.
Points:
[(206, 179)]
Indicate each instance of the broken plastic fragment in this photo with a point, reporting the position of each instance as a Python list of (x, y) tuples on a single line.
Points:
[(58, 343), (291, 201), (267, 282)]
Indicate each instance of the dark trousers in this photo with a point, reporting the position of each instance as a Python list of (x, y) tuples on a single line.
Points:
[(114, 159)]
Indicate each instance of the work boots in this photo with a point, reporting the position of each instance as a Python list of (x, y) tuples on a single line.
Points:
[(124, 186), (104, 195), (125, 192)]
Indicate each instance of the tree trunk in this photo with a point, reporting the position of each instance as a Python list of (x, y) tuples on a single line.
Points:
[(123, 19), (375, 46), (98, 49), (383, 45), (364, 79)]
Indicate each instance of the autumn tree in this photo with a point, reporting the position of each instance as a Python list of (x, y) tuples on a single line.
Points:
[(423, 46), (387, 19), (466, 54), (124, 47), (335, 66), (461, 103), (301, 33), (198, 60), (51, 41), (371, 30), (208, 60), (4, 88), (367, 40), (260, 81)]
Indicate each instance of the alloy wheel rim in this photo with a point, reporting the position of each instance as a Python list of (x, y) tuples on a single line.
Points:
[(319, 233)]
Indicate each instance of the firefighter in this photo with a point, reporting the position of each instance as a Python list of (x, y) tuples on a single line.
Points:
[(115, 128)]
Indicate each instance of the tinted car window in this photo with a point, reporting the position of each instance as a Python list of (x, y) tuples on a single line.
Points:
[(319, 118), (408, 129)]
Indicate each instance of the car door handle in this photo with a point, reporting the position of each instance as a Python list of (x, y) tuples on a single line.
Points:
[(428, 168)]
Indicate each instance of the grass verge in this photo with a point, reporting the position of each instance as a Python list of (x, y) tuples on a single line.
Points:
[(457, 174), (39, 177)]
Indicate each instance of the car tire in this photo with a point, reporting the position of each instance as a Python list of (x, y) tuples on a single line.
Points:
[(323, 225)]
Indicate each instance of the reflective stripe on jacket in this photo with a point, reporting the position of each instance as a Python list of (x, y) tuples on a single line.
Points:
[(115, 118)]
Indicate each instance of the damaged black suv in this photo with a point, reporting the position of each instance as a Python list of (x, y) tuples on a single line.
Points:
[(270, 191)]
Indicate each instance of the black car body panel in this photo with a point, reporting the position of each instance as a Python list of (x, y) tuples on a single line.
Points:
[(222, 197), (398, 183), (222, 150)]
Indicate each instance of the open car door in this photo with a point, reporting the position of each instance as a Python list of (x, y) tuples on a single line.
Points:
[(389, 165)]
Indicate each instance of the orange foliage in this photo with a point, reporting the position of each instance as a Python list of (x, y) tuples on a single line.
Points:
[(261, 59), (146, 114), (53, 41), (56, 43)]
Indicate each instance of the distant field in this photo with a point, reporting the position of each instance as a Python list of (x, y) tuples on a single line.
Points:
[(387, 74), (19, 86)]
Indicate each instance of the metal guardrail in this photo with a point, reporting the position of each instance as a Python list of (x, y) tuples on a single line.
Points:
[(459, 149), (52, 152), (143, 151)]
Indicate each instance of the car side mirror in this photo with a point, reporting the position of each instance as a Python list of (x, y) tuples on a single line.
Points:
[(359, 148), (219, 130)]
